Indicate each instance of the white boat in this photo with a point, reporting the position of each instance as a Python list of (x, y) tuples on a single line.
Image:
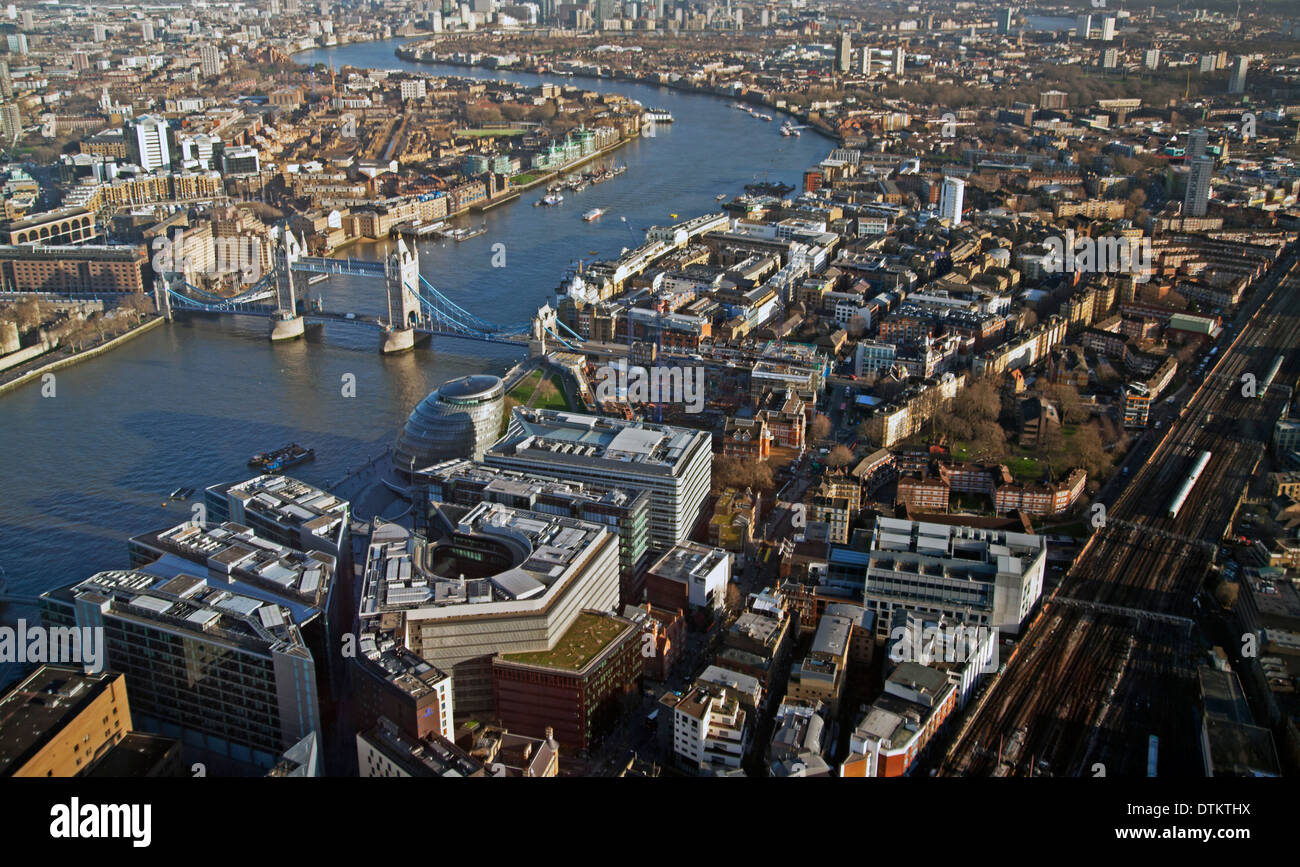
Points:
[(593, 214), (551, 199), (719, 197)]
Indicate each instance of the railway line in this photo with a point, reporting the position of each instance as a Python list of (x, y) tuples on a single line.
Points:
[(1110, 660)]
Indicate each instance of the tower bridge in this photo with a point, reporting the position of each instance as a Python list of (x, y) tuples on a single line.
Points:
[(414, 309)]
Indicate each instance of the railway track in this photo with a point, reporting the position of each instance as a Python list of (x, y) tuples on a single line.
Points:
[(1087, 683)]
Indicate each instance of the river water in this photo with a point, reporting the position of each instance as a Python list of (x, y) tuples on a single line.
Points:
[(186, 404)]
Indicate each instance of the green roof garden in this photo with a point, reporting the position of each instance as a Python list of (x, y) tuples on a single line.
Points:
[(584, 640)]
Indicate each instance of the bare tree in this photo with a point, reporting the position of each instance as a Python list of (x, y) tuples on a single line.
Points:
[(820, 427), (840, 456)]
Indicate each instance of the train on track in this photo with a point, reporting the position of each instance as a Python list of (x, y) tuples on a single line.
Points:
[(1272, 374), (1190, 482)]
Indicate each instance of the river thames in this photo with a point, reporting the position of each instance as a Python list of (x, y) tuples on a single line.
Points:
[(185, 405)]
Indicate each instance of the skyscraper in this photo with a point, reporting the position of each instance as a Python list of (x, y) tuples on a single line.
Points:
[(900, 57), (950, 199), (1152, 58), (842, 53), (1084, 26), (1197, 139), (146, 31), (1005, 17), (1108, 28), (1238, 82), (1197, 198), (6, 81)]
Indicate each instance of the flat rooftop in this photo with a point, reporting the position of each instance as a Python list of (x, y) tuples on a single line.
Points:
[(688, 560), (536, 551), (586, 639), (288, 501), (188, 603), (550, 435), (232, 549), (40, 706)]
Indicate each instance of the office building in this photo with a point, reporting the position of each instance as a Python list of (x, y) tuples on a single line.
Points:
[(59, 720), (488, 580), (284, 510), (220, 668), (460, 419), (1196, 200), (1005, 18), (625, 510), (1108, 28), (689, 576), (148, 141), (236, 161), (820, 676), (800, 738), (898, 725), (972, 575), (384, 749), (674, 465), (1237, 83), (1083, 29), (709, 729), (235, 556), (951, 198), (576, 691)]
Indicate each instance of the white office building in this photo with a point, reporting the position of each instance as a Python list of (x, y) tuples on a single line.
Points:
[(673, 464), (149, 145), (970, 575)]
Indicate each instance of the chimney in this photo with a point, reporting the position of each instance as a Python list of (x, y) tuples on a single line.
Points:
[(550, 738)]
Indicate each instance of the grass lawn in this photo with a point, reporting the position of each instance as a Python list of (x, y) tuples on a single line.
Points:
[(526, 386), (524, 179), (1025, 469), (553, 401), (488, 133), (588, 636)]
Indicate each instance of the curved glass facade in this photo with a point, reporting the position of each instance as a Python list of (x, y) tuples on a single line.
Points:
[(459, 420)]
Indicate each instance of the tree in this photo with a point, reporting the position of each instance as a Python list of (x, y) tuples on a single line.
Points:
[(820, 428), (840, 456)]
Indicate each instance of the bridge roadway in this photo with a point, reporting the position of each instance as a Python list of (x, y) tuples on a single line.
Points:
[(322, 316)]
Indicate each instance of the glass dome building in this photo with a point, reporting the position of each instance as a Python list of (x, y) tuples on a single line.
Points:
[(459, 420)]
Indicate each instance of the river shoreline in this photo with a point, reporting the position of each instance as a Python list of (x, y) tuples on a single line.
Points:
[(83, 355)]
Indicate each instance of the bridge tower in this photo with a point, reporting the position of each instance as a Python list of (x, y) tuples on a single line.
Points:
[(287, 324), (402, 282)]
